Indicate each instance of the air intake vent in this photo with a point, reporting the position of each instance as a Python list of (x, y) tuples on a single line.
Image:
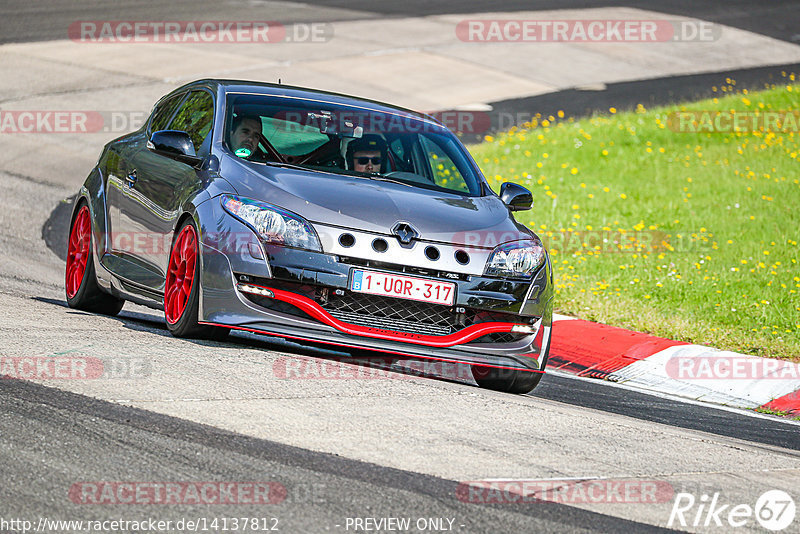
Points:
[(432, 253)]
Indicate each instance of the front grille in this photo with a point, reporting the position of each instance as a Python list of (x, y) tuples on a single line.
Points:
[(278, 305), (499, 337), (391, 313), (414, 317), (388, 323)]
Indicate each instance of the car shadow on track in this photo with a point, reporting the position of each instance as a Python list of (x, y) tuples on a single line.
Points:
[(55, 229)]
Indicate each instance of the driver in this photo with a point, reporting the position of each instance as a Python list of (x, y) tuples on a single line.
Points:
[(245, 137), (367, 154)]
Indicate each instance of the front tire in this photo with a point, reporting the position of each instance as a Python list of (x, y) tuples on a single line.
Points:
[(506, 380), (182, 287), (80, 280)]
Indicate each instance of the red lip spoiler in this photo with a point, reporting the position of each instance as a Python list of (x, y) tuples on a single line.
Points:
[(456, 338)]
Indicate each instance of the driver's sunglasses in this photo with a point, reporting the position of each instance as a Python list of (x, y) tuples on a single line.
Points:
[(364, 160)]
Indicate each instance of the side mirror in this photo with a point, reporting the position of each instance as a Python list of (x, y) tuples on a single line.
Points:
[(516, 197), (174, 144)]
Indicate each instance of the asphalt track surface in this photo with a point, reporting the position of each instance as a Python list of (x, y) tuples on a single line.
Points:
[(51, 438), (22, 20), (326, 488), (582, 102)]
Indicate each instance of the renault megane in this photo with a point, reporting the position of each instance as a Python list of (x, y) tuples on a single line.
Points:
[(316, 217)]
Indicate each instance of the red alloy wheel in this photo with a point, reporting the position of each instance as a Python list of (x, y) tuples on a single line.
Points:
[(180, 274), (78, 252)]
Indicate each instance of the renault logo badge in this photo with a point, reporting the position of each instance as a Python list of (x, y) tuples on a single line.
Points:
[(405, 232)]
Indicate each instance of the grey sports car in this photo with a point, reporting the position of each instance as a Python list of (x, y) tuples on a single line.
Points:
[(315, 217)]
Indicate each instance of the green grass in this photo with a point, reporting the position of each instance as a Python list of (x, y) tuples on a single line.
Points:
[(769, 411), (702, 228)]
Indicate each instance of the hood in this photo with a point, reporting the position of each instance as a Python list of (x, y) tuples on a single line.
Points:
[(377, 206)]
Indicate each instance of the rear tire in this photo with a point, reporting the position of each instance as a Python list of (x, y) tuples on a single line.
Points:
[(182, 288), (506, 380), (80, 280)]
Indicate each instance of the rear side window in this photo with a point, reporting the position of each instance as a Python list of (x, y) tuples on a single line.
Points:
[(195, 117), (163, 113)]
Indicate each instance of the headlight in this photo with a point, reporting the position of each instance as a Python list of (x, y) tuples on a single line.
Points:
[(516, 259), (273, 224)]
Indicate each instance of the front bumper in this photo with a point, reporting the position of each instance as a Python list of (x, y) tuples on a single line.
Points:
[(302, 282)]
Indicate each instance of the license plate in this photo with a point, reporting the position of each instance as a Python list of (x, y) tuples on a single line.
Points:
[(403, 287)]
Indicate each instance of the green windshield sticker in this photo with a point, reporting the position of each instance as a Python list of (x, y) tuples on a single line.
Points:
[(243, 152)]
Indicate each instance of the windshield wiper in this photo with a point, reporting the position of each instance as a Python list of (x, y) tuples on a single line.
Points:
[(284, 165), (376, 177), (380, 178), (288, 165)]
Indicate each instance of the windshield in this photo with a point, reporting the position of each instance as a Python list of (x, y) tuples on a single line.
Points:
[(350, 141)]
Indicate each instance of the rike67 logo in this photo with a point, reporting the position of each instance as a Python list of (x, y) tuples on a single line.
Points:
[(774, 510)]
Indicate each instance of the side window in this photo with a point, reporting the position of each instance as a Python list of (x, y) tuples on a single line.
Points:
[(195, 117), (163, 113), (444, 171)]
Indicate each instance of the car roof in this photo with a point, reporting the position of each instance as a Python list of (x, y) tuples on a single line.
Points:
[(273, 89)]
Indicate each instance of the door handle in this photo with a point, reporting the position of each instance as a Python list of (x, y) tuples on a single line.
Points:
[(131, 178)]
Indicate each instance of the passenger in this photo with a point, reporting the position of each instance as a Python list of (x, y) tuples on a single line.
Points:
[(246, 135), (367, 154)]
